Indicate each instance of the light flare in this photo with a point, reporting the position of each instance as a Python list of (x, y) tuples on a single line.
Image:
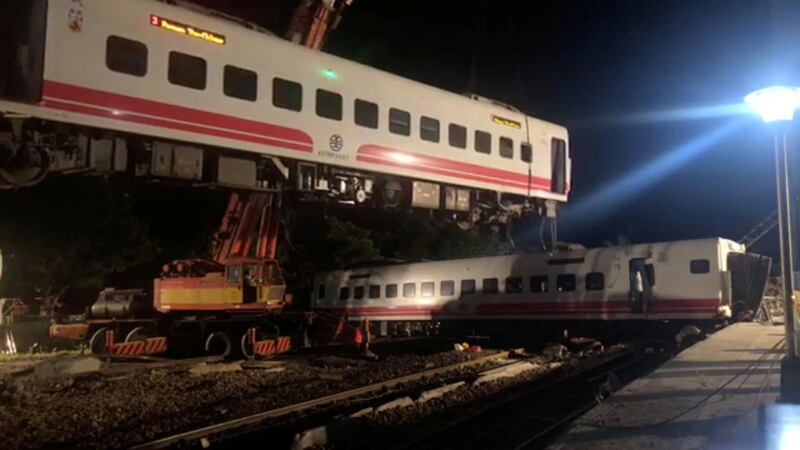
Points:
[(402, 158), (605, 200)]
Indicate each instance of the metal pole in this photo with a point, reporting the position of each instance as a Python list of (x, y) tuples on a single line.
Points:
[(785, 227)]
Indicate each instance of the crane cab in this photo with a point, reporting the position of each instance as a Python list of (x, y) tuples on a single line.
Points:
[(244, 284)]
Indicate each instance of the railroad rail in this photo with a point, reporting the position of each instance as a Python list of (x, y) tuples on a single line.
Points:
[(255, 419), (527, 417)]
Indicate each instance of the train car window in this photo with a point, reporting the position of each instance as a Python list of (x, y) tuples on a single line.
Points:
[(391, 291), (126, 56), (409, 290), (427, 288), (234, 274), (526, 152), (558, 160), (366, 114), (489, 286), (358, 292), (457, 136), (565, 282), (467, 287), (187, 70), (447, 288), (539, 284), (374, 291), (329, 104), (344, 293), (700, 266), (595, 281), (399, 122), (483, 142), (514, 285), (240, 83), (287, 94), (506, 147), (321, 292), (650, 271), (429, 129)]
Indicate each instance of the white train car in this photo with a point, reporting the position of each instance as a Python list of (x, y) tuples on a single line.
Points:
[(696, 280), (167, 91)]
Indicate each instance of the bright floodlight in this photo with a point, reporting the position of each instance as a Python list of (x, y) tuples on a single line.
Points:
[(775, 103)]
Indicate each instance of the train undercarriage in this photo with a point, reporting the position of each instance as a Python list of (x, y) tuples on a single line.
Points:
[(32, 149)]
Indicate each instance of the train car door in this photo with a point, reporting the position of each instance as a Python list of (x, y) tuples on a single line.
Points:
[(642, 280), (250, 284), (558, 158), (22, 38)]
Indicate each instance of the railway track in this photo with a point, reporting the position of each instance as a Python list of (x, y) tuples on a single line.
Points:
[(205, 436), (531, 416)]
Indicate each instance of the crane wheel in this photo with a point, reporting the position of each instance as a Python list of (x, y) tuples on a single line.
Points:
[(97, 344), (218, 343), (138, 334)]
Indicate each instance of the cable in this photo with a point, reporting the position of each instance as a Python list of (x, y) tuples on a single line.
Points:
[(696, 405)]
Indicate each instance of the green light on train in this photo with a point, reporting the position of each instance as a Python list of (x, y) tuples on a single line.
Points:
[(329, 74)]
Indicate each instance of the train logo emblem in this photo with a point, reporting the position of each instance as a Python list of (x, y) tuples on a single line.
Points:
[(76, 16), (336, 142)]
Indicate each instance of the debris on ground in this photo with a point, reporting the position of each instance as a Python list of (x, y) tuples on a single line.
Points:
[(555, 352)]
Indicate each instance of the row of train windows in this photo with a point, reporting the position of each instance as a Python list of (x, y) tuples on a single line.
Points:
[(513, 285), (594, 281), (130, 57)]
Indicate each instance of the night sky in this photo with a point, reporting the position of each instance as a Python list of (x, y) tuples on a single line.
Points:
[(611, 72)]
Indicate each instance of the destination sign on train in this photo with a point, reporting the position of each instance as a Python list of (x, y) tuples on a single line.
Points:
[(186, 30), (506, 122)]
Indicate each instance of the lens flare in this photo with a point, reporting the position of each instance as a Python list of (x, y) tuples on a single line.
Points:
[(605, 200)]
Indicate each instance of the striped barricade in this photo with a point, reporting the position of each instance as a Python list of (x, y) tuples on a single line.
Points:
[(151, 346), (271, 347)]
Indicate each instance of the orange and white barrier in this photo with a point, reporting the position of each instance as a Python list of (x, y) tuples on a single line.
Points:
[(151, 346), (269, 347)]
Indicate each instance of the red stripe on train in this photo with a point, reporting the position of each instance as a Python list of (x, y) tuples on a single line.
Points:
[(141, 120), (105, 99), (614, 306), (396, 158), (133, 110), (463, 176)]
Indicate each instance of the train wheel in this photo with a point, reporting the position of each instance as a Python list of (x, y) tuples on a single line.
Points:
[(138, 334), (97, 344), (218, 343)]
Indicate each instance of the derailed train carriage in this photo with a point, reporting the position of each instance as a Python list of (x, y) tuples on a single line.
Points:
[(701, 282)]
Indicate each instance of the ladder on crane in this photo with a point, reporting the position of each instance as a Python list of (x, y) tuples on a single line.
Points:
[(760, 230)]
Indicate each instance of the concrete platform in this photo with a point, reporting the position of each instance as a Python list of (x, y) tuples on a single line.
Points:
[(706, 398)]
